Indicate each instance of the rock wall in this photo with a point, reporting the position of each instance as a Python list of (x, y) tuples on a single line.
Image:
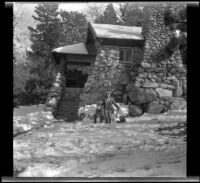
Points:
[(57, 90), (108, 74), (161, 76), (103, 73)]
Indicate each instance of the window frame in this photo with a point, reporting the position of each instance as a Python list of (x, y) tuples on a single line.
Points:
[(124, 50)]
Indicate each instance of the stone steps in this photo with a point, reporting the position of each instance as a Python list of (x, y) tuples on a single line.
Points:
[(69, 105)]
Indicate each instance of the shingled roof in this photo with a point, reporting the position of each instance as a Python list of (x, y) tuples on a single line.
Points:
[(107, 31), (78, 48), (117, 31)]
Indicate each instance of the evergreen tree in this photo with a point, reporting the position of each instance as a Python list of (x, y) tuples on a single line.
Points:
[(74, 27), (44, 38), (109, 16)]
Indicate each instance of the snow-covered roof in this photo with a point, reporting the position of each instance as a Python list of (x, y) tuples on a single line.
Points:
[(117, 31), (79, 48)]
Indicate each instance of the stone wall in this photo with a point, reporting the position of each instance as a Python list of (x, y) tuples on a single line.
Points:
[(161, 76), (108, 74), (57, 90), (103, 73)]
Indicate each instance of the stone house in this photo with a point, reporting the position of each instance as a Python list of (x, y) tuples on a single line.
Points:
[(127, 60)]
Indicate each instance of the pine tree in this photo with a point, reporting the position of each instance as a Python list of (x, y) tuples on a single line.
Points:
[(44, 38), (109, 16), (74, 27), (47, 29)]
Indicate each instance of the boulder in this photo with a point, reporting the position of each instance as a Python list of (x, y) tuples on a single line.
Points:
[(150, 85), (163, 85), (178, 103), (138, 79), (123, 109), (52, 103), (129, 86), (125, 79), (174, 81), (145, 65), (170, 87), (162, 93), (87, 111), (124, 98), (141, 95), (56, 84), (135, 110), (143, 74), (155, 108), (178, 92)]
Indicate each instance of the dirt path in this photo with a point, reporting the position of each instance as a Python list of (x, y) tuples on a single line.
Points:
[(150, 145)]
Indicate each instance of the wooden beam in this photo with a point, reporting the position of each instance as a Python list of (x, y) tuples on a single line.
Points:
[(80, 58), (79, 63), (91, 49), (97, 41), (122, 42)]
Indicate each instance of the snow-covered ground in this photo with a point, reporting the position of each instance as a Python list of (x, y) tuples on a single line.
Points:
[(27, 118), (149, 145)]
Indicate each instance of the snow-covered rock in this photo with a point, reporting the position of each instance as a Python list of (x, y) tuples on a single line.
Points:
[(88, 111)]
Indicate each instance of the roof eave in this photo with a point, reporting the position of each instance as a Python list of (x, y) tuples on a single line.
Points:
[(142, 38)]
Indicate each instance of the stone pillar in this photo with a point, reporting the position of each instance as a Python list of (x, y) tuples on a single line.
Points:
[(103, 75), (109, 74), (57, 90), (161, 75)]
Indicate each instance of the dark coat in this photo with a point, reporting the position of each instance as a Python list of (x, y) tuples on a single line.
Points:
[(108, 105)]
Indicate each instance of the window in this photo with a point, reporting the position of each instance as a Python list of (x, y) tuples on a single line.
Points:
[(126, 54)]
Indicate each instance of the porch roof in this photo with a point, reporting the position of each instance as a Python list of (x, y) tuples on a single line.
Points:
[(79, 48)]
